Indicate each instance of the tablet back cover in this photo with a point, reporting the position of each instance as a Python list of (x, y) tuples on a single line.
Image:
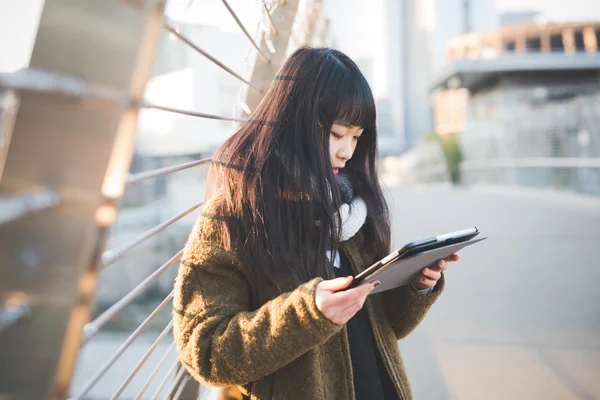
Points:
[(403, 272)]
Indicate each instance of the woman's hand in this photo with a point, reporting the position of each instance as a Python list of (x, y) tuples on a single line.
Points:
[(430, 276), (339, 307)]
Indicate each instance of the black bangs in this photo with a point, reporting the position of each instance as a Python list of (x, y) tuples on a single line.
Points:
[(356, 106)]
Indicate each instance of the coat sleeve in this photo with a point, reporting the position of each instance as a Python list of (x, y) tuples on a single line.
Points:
[(406, 308), (221, 340)]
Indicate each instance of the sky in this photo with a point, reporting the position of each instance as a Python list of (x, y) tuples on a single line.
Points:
[(357, 26), (18, 27)]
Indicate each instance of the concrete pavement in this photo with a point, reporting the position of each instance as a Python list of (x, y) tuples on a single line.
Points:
[(520, 316)]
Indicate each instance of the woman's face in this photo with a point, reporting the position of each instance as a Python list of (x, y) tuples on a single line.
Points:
[(342, 143)]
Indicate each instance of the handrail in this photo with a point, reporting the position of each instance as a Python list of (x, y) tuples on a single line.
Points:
[(132, 179), (90, 384), (155, 371), (165, 379), (237, 20), (139, 365), (149, 105), (110, 256), (91, 328), (531, 162), (168, 27)]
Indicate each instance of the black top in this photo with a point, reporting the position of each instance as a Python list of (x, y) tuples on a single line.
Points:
[(371, 379)]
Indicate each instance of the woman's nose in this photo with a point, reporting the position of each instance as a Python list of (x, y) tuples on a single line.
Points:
[(345, 151)]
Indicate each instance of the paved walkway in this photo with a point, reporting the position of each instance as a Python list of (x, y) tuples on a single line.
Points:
[(520, 317)]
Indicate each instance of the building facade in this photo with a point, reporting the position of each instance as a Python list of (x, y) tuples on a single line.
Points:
[(521, 97)]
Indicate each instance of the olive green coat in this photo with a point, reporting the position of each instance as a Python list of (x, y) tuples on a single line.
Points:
[(278, 345)]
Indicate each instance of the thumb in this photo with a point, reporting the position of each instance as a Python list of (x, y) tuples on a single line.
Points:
[(336, 284)]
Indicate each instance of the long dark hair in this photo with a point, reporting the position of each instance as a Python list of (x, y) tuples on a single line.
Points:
[(280, 189)]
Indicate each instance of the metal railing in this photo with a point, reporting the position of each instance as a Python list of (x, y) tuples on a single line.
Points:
[(132, 179), (17, 206), (170, 28), (576, 174), (530, 162), (92, 328), (100, 373), (262, 55), (34, 80), (111, 256)]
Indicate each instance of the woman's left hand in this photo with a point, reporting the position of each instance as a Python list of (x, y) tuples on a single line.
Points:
[(431, 275)]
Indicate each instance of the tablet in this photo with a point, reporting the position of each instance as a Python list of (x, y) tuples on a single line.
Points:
[(413, 257)]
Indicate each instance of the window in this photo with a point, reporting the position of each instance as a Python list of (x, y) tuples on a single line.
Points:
[(534, 44), (579, 42), (556, 43)]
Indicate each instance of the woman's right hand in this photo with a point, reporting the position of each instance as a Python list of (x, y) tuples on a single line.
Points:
[(339, 307)]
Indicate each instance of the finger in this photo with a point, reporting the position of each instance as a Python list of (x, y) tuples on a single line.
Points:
[(452, 258), (442, 265), (336, 284), (350, 310), (429, 273), (348, 296), (352, 295), (428, 282)]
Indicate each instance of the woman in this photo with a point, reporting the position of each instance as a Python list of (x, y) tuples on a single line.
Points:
[(295, 209)]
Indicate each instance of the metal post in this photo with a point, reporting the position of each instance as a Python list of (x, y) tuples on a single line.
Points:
[(81, 151), (283, 17)]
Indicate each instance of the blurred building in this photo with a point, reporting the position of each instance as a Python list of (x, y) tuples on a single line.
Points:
[(454, 18), (418, 33), (525, 91), (409, 33)]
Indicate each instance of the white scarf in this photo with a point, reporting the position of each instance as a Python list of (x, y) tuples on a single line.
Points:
[(353, 217)]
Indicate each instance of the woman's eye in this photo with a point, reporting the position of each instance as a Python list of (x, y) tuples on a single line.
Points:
[(336, 135)]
